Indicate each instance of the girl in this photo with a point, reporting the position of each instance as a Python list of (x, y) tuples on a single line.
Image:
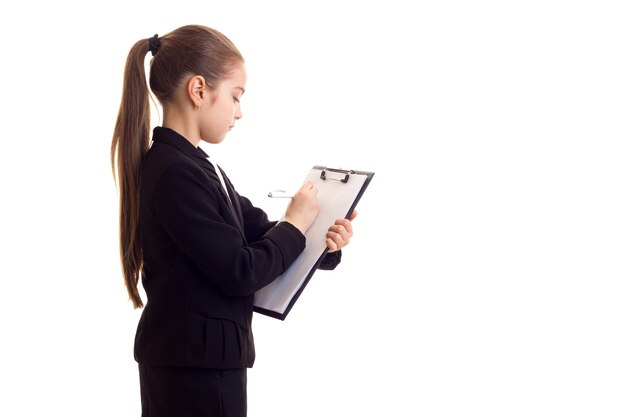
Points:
[(201, 249)]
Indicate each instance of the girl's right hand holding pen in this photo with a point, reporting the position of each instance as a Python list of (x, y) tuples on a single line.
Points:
[(303, 208)]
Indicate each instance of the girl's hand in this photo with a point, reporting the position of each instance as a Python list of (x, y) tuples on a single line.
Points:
[(304, 207), (339, 234)]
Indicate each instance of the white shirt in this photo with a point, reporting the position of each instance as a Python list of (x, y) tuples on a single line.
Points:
[(219, 174)]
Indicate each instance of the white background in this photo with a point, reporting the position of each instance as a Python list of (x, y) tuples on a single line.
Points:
[(486, 276)]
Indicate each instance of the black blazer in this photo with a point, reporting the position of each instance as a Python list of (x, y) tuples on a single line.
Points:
[(204, 257)]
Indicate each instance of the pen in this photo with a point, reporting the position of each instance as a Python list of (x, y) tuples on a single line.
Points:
[(279, 194)]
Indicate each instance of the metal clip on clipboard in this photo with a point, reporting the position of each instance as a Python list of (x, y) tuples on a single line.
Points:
[(341, 171), (345, 172)]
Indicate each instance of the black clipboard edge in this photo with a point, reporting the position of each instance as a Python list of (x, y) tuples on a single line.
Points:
[(292, 302)]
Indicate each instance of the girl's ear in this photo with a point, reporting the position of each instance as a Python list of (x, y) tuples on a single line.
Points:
[(196, 89)]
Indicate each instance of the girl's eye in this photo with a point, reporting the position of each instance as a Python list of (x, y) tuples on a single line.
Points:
[(236, 99)]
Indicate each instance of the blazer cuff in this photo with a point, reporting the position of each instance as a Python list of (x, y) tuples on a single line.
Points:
[(289, 239), (330, 261)]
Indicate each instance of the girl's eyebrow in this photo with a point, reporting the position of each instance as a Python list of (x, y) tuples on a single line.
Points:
[(243, 90)]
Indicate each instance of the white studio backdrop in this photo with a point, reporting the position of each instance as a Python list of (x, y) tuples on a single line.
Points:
[(486, 276)]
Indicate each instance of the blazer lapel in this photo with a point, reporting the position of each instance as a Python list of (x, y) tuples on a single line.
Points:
[(231, 198)]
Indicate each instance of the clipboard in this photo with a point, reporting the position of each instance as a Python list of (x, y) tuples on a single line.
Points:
[(339, 192)]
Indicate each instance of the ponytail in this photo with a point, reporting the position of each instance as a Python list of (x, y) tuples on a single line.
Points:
[(130, 143), (188, 50)]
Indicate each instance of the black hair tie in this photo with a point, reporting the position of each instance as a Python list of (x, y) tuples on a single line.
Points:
[(153, 44)]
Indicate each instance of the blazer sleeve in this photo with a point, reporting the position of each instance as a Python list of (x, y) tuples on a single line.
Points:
[(255, 221), (256, 224), (188, 207), (330, 261)]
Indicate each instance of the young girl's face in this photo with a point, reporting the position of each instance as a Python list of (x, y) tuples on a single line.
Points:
[(220, 116)]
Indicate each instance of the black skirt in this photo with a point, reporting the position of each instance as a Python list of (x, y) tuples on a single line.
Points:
[(168, 391)]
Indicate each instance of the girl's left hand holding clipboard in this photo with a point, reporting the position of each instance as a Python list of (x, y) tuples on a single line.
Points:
[(339, 234)]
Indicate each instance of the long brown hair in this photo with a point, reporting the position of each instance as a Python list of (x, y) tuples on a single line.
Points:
[(185, 52)]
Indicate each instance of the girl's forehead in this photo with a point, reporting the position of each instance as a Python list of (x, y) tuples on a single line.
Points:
[(237, 78)]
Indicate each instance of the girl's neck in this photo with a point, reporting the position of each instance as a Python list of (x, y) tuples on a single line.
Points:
[(181, 124)]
